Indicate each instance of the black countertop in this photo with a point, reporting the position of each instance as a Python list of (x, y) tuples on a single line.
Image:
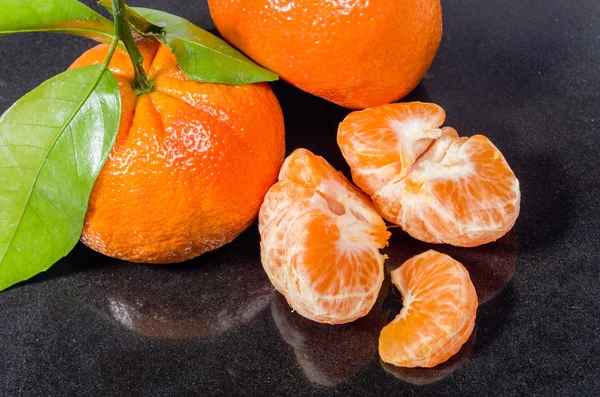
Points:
[(524, 73)]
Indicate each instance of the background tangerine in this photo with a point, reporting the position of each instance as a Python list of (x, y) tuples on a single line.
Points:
[(355, 53)]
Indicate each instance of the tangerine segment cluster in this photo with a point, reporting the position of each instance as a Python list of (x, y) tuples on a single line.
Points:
[(320, 241), (439, 187), (355, 53), (439, 305), (190, 166)]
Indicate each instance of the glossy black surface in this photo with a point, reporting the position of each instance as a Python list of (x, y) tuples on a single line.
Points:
[(524, 73)]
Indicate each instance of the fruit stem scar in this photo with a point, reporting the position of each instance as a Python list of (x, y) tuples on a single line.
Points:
[(141, 83)]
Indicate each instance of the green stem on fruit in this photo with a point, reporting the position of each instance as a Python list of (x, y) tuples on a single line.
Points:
[(141, 83)]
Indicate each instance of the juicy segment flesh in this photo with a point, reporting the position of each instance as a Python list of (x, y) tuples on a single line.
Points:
[(438, 314), (320, 241), (439, 187)]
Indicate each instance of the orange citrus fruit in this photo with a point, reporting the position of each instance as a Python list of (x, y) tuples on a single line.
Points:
[(190, 166), (439, 304), (438, 187), (320, 241), (356, 53)]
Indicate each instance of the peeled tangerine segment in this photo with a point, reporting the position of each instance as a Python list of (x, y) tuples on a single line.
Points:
[(320, 241), (383, 142), (439, 187), (439, 305)]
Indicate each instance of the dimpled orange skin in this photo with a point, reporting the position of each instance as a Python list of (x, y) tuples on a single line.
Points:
[(356, 53), (190, 166)]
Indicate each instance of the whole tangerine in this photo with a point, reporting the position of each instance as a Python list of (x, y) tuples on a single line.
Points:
[(356, 53), (191, 163)]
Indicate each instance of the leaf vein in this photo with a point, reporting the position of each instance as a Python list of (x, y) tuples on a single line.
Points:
[(76, 159), (56, 30), (9, 167), (32, 125), (49, 99), (24, 145)]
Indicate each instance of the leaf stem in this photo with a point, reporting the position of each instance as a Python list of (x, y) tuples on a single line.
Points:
[(113, 45), (141, 83)]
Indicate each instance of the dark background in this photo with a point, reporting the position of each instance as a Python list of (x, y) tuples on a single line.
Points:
[(524, 73)]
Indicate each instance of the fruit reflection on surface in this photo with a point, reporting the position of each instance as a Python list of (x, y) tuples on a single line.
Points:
[(356, 53), (425, 376), (204, 298), (190, 166), (439, 187), (320, 241), (490, 266), (439, 304), (329, 354)]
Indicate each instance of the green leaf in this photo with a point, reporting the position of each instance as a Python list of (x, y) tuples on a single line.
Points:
[(203, 56), (64, 16), (53, 143), (141, 26)]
